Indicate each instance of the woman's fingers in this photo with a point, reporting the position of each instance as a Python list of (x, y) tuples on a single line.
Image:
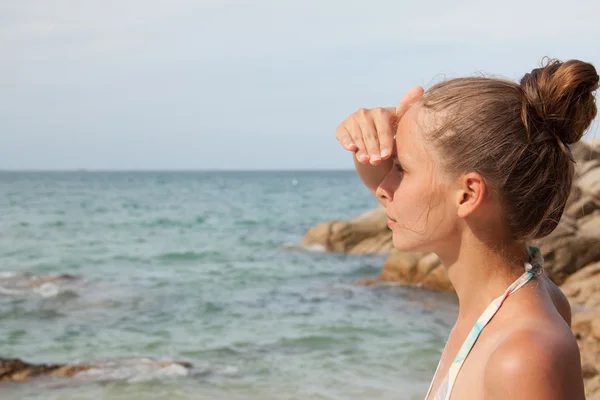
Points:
[(362, 155), (369, 135), (382, 118), (350, 136), (345, 138)]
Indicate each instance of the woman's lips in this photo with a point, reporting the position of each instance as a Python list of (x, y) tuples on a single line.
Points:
[(390, 221)]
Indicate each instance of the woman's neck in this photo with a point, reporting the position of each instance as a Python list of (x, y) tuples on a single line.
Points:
[(479, 273)]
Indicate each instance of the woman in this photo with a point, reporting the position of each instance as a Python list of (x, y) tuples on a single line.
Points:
[(472, 170)]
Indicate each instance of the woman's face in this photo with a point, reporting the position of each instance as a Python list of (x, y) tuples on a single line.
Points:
[(416, 194)]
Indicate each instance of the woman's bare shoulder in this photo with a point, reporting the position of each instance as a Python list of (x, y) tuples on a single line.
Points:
[(536, 360), (560, 301)]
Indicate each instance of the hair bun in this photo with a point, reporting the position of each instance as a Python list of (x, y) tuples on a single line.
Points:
[(559, 99)]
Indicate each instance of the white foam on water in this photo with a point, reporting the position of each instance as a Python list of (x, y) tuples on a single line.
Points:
[(228, 370), (313, 248), (47, 289), (11, 292), (7, 275), (168, 372), (133, 371)]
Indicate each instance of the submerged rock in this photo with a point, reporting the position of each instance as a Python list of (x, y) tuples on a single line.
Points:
[(45, 285), (17, 370)]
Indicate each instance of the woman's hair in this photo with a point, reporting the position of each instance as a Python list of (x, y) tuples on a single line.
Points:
[(517, 137)]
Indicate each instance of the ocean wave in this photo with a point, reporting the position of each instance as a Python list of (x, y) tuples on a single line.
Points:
[(164, 223), (173, 223), (368, 270), (247, 222), (187, 256), (136, 370), (11, 292), (47, 289), (125, 258), (25, 284), (311, 342), (313, 248), (283, 345)]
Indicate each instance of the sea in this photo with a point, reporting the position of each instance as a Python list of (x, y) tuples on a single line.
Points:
[(133, 270)]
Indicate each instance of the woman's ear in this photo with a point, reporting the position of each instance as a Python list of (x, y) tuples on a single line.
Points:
[(470, 194)]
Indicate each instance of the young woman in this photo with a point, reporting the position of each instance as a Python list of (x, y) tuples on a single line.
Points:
[(472, 170)]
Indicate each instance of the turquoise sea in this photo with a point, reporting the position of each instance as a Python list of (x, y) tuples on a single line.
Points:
[(203, 267)]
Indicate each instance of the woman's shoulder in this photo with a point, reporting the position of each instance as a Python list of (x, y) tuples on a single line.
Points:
[(559, 300), (536, 359)]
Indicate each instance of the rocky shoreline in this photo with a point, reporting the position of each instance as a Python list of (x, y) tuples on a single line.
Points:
[(571, 254)]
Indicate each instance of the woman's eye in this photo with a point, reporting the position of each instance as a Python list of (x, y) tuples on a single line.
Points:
[(398, 167)]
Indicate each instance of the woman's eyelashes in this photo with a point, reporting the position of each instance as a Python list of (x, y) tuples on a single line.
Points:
[(398, 167)]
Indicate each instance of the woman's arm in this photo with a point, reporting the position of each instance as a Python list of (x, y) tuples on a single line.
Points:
[(371, 175)]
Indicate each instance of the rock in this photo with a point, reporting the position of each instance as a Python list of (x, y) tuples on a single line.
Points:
[(16, 370), (586, 327), (582, 207), (583, 291), (588, 371), (31, 280), (432, 274), (583, 288), (592, 388), (399, 267), (570, 247), (585, 151), (365, 234), (420, 269)]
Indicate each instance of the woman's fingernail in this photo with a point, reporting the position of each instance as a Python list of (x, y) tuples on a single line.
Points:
[(385, 153), (363, 157), (375, 158), (352, 146)]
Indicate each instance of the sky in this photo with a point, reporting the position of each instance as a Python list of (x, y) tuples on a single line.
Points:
[(223, 84)]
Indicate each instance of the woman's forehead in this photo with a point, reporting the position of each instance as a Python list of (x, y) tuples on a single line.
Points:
[(409, 141)]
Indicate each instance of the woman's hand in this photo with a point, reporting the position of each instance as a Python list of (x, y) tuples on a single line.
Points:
[(370, 133)]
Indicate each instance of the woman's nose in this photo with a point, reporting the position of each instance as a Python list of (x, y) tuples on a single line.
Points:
[(383, 192)]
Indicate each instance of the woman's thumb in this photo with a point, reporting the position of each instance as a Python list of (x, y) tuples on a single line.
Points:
[(409, 98)]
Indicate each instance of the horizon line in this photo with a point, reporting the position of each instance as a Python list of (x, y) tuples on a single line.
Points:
[(94, 170)]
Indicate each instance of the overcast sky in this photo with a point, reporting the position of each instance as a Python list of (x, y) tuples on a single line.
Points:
[(222, 84)]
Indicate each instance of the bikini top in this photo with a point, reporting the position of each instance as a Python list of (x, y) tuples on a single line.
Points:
[(533, 267)]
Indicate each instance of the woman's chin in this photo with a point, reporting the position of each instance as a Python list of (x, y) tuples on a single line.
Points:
[(401, 245), (407, 246)]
